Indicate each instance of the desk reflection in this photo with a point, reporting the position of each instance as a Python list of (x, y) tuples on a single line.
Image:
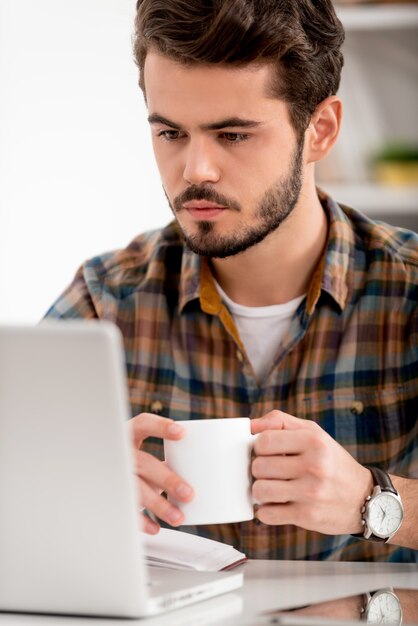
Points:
[(382, 606)]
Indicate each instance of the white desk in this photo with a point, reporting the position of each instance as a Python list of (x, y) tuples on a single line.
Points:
[(269, 586)]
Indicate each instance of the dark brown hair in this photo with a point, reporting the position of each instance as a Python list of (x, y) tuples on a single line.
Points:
[(301, 38)]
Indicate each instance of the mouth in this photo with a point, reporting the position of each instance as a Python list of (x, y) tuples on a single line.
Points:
[(203, 209)]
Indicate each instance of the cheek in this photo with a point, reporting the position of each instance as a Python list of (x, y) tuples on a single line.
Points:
[(169, 166)]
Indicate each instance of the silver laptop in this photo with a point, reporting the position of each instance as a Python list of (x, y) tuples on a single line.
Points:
[(69, 523)]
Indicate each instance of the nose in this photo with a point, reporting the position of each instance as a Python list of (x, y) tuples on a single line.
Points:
[(201, 163)]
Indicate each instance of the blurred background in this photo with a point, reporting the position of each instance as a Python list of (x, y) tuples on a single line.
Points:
[(77, 175), (374, 166)]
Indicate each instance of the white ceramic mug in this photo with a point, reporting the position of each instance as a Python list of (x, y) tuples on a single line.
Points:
[(214, 458)]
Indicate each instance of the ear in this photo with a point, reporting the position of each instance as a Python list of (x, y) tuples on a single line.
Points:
[(322, 132)]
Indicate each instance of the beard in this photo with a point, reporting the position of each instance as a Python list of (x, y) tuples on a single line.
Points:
[(275, 206)]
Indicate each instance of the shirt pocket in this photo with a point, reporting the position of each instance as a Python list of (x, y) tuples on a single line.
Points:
[(371, 425)]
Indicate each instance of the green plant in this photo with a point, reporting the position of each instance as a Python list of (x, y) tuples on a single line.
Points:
[(398, 152)]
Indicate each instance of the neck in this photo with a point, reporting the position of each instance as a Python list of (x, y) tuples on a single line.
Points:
[(279, 268)]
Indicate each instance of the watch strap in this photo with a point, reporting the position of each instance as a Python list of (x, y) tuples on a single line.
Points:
[(382, 479)]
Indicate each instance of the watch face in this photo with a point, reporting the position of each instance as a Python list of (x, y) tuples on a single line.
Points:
[(384, 608), (384, 514)]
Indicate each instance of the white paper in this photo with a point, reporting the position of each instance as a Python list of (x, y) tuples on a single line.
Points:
[(174, 549)]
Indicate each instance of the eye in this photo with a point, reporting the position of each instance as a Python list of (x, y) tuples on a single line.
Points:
[(234, 137), (169, 135)]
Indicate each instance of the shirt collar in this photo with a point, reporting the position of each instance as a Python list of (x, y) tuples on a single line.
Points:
[(332, 274), (189, 288), (196, 282)]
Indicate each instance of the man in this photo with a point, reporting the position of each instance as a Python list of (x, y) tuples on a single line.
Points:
[(264, 298)]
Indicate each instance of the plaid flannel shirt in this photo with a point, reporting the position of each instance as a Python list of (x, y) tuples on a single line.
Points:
[(348, 361)]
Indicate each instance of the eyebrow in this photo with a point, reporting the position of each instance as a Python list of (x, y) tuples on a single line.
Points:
[(229, 122)]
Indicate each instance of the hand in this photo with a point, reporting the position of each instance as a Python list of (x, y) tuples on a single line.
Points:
[(342, 609), (304, 477), (153, 476)]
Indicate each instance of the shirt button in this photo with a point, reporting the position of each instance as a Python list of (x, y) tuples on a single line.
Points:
[(357, 407), (239, 356), (156, 406)]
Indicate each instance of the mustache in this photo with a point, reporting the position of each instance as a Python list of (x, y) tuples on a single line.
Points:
[(196, 192)]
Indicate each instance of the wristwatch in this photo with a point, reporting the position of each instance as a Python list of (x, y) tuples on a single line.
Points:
[(382, 607), (382, 512)]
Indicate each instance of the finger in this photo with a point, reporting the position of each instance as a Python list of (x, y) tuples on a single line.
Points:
[(148, 525), (274, 442), (162, 477), (282, 467), (148, 425), (290, 513), (279, 420), (158, 505), (274, 491), (278, 514)]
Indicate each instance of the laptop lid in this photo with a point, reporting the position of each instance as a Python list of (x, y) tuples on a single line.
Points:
[(69, 523)]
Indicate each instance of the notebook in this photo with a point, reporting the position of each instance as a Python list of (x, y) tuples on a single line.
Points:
[(70, 541), (173, 549)]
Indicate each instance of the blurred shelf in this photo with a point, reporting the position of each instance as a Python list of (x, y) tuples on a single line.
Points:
[(378, 17), (374, 199)]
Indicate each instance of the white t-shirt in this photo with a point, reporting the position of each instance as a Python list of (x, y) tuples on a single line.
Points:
[(261, 329)]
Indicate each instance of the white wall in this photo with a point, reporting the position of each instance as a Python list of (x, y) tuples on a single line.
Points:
[(77, 175)]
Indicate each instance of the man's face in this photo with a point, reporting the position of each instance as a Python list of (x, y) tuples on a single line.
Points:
[(228, 156)]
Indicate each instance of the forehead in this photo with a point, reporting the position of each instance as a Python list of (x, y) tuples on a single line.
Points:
[(202, 92)]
